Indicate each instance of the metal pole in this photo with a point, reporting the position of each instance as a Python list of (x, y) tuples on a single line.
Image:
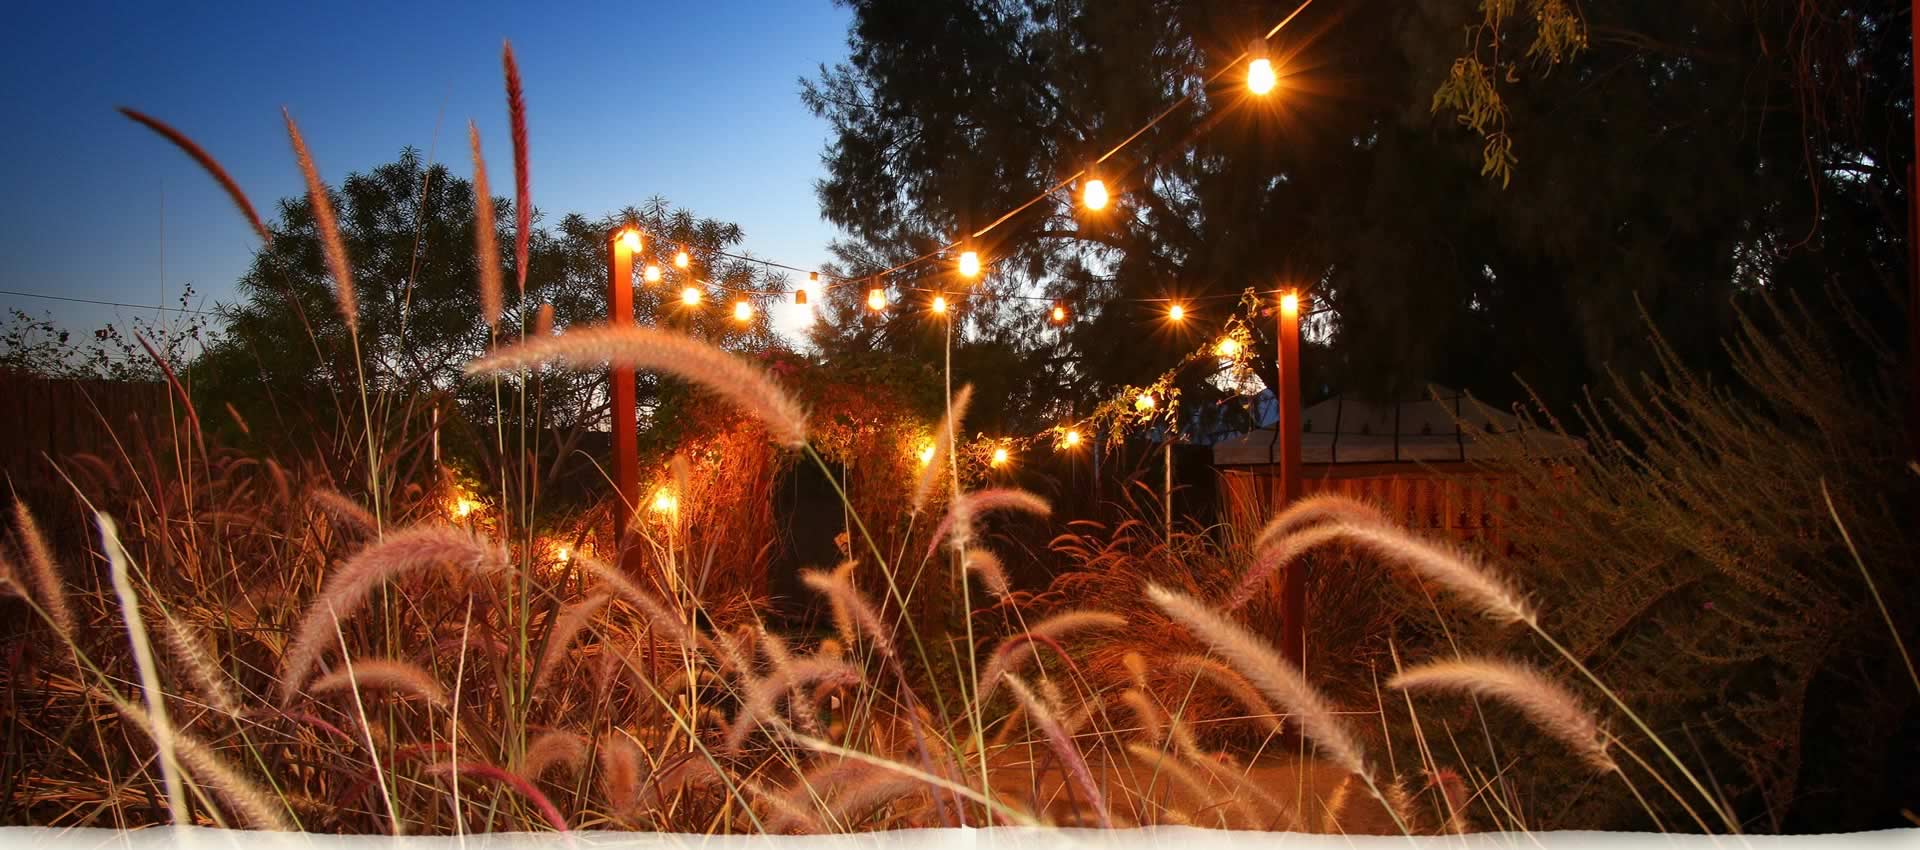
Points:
[(626, 437), (1293, 593)]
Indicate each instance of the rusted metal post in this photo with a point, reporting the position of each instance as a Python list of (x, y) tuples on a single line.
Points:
[(622, 244), (1293, 593)]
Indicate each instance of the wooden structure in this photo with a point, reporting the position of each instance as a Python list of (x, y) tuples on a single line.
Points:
[(1427, 460)]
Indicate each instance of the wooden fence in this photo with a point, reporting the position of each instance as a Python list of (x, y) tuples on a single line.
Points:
[(58, 418), (1461, 500)]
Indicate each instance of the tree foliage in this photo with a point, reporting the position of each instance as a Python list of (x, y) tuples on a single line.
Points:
[(1679, 153)]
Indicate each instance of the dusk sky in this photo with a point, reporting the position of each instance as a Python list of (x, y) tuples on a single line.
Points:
[(697, 103)]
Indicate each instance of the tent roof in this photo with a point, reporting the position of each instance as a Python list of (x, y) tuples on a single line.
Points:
[(1427, 429)]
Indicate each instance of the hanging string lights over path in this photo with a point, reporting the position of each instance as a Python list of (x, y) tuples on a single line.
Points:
[(1262, 78)]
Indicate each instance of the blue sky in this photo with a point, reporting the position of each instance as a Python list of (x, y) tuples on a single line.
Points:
[(697, 103)]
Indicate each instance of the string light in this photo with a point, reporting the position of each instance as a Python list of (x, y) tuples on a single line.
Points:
[(1094, 194), (1059, 314), (969, 264), (630, 239), (463, 506), (926, 454), (681, 260), (877, 299), (1260, 75), (561, 553), (999, 457), (800, 297), (1226, 347), (665, 502), (938, 305), (743, 310), (1144, 403), (1072, 438), (1176, 312), (690, 296), (813, 278), (1290, 302), (653, 273)]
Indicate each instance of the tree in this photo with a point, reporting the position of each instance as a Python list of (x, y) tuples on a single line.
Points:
[(408, 226), (1694, 152)]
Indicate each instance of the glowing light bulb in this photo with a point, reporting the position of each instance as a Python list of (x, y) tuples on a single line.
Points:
[(1260, 76), (665, 502), (800, 297), (877, 299), (926, 454), (1144, 402), (1176, 312), (743, 311), (969, 264), (1290, 303), (562, 554), (938, 305), (681, 260), (813, 278), (1094, 195), (463, 506), (999, 457), (690, 296), (1059, 314), (1226, 347), (630, 240), (1072, 438), (652, 274)]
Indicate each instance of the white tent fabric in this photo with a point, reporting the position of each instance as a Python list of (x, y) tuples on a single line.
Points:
[(1425, 429)]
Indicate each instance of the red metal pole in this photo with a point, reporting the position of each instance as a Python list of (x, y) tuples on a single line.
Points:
[(621, 246), (1293, 592)]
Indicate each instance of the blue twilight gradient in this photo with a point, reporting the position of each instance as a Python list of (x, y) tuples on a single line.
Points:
[(694, 102)]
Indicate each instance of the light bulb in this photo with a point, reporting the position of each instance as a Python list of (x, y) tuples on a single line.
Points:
[(1094, 195), (1290, 303), (1072, 438), (681, 260), (1144, 402), (926, 455), (813, 278), (630, 239), (877, 299), (652, 273), (938, 305), (969, 264), (743, 310), (1176, 312), (690, 296), (999, 457), (1059, 314), (1227, 347), (1260, 76), (664, 501)]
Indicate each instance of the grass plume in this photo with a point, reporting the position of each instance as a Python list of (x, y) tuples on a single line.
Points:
[(1550, 706)]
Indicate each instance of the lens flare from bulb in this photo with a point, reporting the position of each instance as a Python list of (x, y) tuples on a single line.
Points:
[(938, 305), (690, 296), (652, 273), (1226, 347), (681, 260), (1072, 438), (1177, 313), (1290, 303), (1000, 457), (630, 240), (743, 311), (877, 299), (1094, 195), (969, 264), (1144, 403), (1260, 76), (1059, 314)]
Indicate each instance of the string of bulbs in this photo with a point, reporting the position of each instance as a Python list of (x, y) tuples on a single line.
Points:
[(1261, 79)]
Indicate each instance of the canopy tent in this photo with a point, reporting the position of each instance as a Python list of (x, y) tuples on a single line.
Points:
[(1441, 425)]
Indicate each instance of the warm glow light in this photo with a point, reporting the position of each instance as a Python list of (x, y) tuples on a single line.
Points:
[(561, 553), (999, 457), (1094, 194), (1059, 314), (1176, 312), (665, 502), (463, 506), (1144, 402), (630, 240), (690, 296), (652, 273), (1290, 303), (877, 299), (939, 305), (1226, 347), (969, 264), (1072, 438), (1260, 75), (926, 454), (800, 297), (813, 278), (743, 310), (681, 260)]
